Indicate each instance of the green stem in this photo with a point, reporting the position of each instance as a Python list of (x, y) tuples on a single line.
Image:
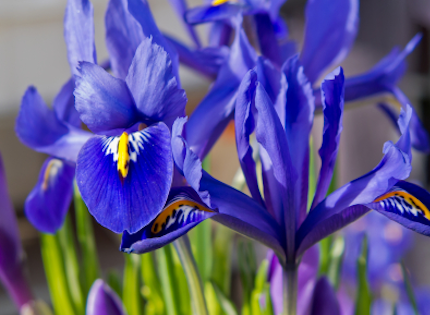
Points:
[(289, 274), (87, 243), (131, 289), (195, 286)]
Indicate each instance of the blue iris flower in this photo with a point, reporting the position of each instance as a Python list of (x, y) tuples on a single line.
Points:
[(102, 300), (330, 30)]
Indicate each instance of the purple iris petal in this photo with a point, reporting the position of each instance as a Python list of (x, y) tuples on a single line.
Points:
[(215, 111), (11, 252), (220, 34), (38, 127), (299, 116), (345, 204), (102, 300), (183, 211), (207, 60), (270, 134), (324, 301), (123, 36), (104, 102), (267, 38), (407, 204), (244, 126), (154, 87), (79, 33), (64, 105), (125, 180), (181, 7), (141, 12), (333, 100), (331, 27), (211, 13), (47, 204)]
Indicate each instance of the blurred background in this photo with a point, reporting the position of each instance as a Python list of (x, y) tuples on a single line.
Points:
[(33, 52)]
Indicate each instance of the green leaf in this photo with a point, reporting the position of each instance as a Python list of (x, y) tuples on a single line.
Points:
[(364, 296), (312, 174), (169, 283), (151, 289), (131, 295), (194, 281), (56, 275), (259, 290), (201, 242), (114, 281), (336, 258), (85, 233), (223, 248), (325, 249), (248, 270), (71, 265), (409, 290), (226, 305)]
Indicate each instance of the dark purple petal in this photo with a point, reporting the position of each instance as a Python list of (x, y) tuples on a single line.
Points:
[(324, 301), (11, 252), (64, 105), (125, 180), (299, 116), (79, 33), (207, 61), (47, 204), (153, 85), (331, 27), (276, 160), (244, 127), (102, 300), (333, 100), (38, 127), (123, 36), (141, 12), (104, 102), (220, 34), (267, 38), (181, 7), (211, 13), (344, 205), (407, 204), (212, 115), (183, 211)]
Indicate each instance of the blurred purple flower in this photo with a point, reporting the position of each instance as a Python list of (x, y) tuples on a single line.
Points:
[(102, 300)]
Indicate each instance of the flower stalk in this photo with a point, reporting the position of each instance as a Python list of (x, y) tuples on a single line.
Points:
[(289, 274)]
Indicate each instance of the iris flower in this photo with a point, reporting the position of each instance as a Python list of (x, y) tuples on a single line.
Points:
[(279, 218), (11, 252), (330, 29), (102, 300)]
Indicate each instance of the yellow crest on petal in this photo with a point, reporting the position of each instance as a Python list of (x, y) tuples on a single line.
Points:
[(123, 156), (219, 2)]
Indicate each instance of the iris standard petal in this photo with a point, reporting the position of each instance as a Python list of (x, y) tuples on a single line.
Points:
[(267, 38), (153, 86), (407, 204), (183, 211), (220, 34), (330, 30), (345, 205), (79, 33), (333, 100), (324, 301), (125, 180), (270, 134), (206, 61), (142, 13), (211, 13), (123, 36), (215, 111), (181, 7), (244, 127), (64, 105), (299, 116), (47, 204), (102, 300), (104, 102), (38, 127)]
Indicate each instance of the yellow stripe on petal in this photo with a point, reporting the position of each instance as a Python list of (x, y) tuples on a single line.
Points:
[(416, 205), (176, 212), (123, 156), (219, 2), (51, 170)]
